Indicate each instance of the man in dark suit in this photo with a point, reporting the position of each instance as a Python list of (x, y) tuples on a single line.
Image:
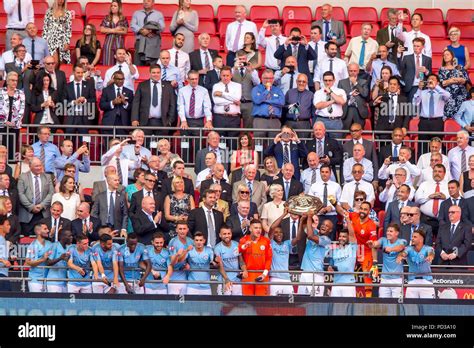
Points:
[(297, 45), (101, 185), (149, 190), (21, 68), (328, 149), (147, 221), (393, 112), (392, 214), (356, 138), (6, 190), (116, 103), (393, 148), (239, 224), (415, 68), (218, 178), (356, 109), (454, 198), (413, 224), (213, 76), (213, 140), (206, 219), (80, 97), (178, 170), (111, 207), (333, 30), (454, 239), (56, 222), (388, 38), (201, 59), (291, 186), (154, 103), (58, 78), (85, 223)]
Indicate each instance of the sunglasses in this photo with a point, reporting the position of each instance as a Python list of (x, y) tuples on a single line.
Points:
[(150, 180), (244, 192), (359, 199)]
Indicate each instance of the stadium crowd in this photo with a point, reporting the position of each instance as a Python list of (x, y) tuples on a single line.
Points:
[(240, 224)]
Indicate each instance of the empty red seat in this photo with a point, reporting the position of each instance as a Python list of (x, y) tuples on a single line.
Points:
[(225, 12), (206, 27), (434, 30), (362, 14), (97, 9), (355, 29), (77, 25), (128, 9), (40, 8), (74, 38), (469, 43), (3, 24), (76, 7), (450, 126), (261, 13), (296, 14), (438, 45), (467, 31), (166, 9), (384, 14), (459, 16), (431, 15), (222, 28), (144, 72), (337, 13), (166, 42), (67, 69), (304, 27), (206, 12), (129, 42)]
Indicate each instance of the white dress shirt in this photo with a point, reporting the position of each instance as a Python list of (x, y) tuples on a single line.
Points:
[(368, 169), (407, 38), (454, 156), (387, 196), (334, 189), (126, 164), (269, 44), (412, 171), (129, 78), (205, 53), (354, 49), (202, 175), (427, 175), (13, 18), (231, 32), (227, 98), (320, 96), (347, 195), (424, 161), (9, 57), (202, 104), (184, 65), (320, 50), (424, 190), (339, 68)]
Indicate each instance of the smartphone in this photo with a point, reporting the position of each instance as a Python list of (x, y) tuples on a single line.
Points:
[(34, 63), (405, 48), (394, 159), (273, 21), (378, 56), (296, 38), (132, 142)]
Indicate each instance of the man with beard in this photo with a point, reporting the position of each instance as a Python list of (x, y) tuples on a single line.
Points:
[(161, 267), (106, 252), (57, 261)]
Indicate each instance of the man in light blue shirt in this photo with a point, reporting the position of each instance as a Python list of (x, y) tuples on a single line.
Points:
[(46, 151), (57, 262), (80, 264), (287, 77), (68, 156), (36, 256), (161, 268), (199, 258), (36, 46), (465, 114), (358, 153), (130, 255), (228, 258), (135, 152), (375, 65), (169, 72), (179, 247), (106, 252)]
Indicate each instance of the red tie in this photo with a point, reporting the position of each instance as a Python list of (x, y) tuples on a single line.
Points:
[(436, 202)]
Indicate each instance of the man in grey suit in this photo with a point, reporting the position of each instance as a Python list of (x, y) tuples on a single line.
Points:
[(333, 30), (257, 188), (35, 190), (370, 153), (101, 186), (413, 224), (213, 140), (392, 214), (387, 37), (21, 68), (111, 206), (356, 109)]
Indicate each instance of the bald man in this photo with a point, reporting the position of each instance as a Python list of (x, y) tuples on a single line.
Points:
[(85, 223), (148, 220), (235, 33)]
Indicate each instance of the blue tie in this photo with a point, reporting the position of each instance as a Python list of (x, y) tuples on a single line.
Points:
[(287, 189), (362, 54), (326, 30), (431, 104), (395, 151), (249, 184)]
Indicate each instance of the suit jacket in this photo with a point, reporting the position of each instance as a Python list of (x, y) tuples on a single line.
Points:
[(296, 187), (109, 93), (226, 193), (14, 234), (142, 102), (363, 88), (402, 115), (234, 224), (386, 151), (166, 187), (469, 204), (65, 223), (304, 56), (26, 193), (145, 229), (100, 209), (405, 233), (200, 163), (407, 67), (370, 152), (236, 175), (259, 196), (383, 37), (197, 64), (136, 202), (76, 228), (101, 186), (392, 214), (24, 79), (297, 152), (461, 239), (88, 92), (337, 27), (332, 149), (443, 215), (210, 80), (35, 106), (61, 82), (197, 221)]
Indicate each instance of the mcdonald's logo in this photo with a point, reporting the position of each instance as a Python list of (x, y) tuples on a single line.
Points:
[(468, 296)]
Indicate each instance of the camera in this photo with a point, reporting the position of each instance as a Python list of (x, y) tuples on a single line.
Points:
[(34, 63), (295, 38), (285, 136), (244, 63), (132, 142), (378, 56), (290, 67)]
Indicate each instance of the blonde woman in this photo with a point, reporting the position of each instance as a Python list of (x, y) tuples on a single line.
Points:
[(461, 52), (243, 194), (273, 210), (23, 166), (178, 204), (185, 21), (57, 31)]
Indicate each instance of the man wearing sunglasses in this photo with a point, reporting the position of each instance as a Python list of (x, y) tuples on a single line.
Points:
[(58, 78), (413, 216)]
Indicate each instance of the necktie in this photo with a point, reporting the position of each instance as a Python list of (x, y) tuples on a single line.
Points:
[(164, 75), (294, 51), (431, 104), (242, 72), (392, 33), (37, 190), (287, 190), (78, 90), (118, 91), (286, 154), (395, 151), (418, 63), (320, 148), (416, 34), (43, 155), (326, 31), (362, 54), (313, 176), (211, 230), (455, 202), (176, 59), (331, 64), (150, 217), (357, 186), (192, 103), (293, 236), (463, 161), (110, 220), (292, 78), (120, 67), (84, 225), (244, 230), (20, 66), (154, 100), (226, 88), (436, 202), (249, 185), (5, 193), (400, 206), (20, 18), (325, 195), (119, 169), (277, 44), (270, 106), (235, 46), (148, 193), (32, 47), (453, 228), (391, 113), (328, 98), (207, 64)]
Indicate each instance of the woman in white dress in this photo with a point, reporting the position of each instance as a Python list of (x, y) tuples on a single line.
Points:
[(67, 197), (273, 210)]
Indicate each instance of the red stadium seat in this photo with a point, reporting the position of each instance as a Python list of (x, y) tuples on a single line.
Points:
[(261, 13), (337, 13), (40, 9), (214, 44), (74, 38), (459, 16), (362, 14), (384, 15), (355, 30), (76, 7), (144, 72), (128, 9), (431, 15), (450, 126), (467, 31), (434, 30), (167, 10), (77, 25), (222, 28), (438, 45), (225, 12), (296, 14), (166, 42), (67, 69), (206, 12), (96, 22), (129, 42), (206, 27), (97, 9), (469, 44), (3, 24), (304, 27)]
